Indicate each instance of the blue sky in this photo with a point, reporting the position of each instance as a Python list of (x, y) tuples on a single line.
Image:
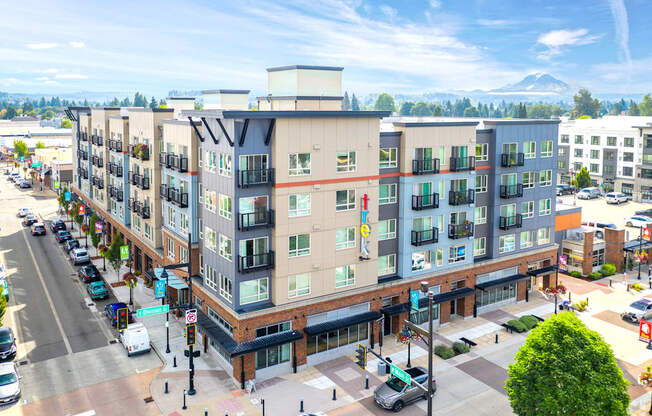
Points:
[(396, 46)]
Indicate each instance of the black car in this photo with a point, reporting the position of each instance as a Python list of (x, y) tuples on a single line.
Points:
[(25, 185), (30, 220), (71, 244), (57, 225), (62, 236), (89, 274), (646, 212), (7, 344)]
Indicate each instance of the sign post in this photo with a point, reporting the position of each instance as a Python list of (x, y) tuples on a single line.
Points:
[(154, 310)]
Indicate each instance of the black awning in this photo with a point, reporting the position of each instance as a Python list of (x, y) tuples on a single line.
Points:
[(215, 332), (399, 308), (267, 341), (342, 323), (447, 296), (543, 270), (635, 245), (498, 282)]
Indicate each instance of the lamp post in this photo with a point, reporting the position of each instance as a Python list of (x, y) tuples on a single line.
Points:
[(424, 289), (164, 275), (405, 334), (640, 250)]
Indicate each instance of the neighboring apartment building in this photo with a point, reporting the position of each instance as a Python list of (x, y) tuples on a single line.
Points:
[(611, 148), (313, 224)]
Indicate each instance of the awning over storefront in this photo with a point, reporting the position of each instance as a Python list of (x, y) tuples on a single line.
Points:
[(543, 270), (173, 281), (215, 332), (325, 327), (498, 282), (634, 246), (447, 296), (397, 309), (266, 342)]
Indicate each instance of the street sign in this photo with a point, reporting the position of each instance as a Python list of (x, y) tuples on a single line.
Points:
[(82, 210), (56, 184), (98, 227), (191, 316), (416, 328), (159, 289), (66, 196), (22, 158), (154, 310), (124, 252), (563, 263), (644, 330), (400, 374), (36, 164), (414, 300)]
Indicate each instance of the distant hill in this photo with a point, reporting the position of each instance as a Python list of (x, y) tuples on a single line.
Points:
[(534, 84)]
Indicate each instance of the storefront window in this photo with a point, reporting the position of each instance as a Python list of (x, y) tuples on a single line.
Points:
[(495, 294), (336, 339)]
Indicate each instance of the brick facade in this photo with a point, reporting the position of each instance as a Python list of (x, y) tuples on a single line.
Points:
[(614, 242), (587, 264)]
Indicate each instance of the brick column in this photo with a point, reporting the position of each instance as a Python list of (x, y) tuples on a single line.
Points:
[(467, 305), (444, 312), (521, 288), (614, 241), (587, 264)]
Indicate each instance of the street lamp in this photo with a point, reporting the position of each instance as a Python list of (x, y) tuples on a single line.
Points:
[(405, 337), (424, 289), (164, 275)]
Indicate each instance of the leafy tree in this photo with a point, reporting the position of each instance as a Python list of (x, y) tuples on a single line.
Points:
[(436, 110), (40, 145), (112, 254), (79, 219), (114, 102), (471, 112), (153, 104), (95, 238), (583, 178), (565, 368), (540, 111), (346, 102), (585, 104), (20, 147), (11, 112), (48, 115), (385, 102), (62, 200), (140, 100), (645, 106), (355, 104), (406, 108), (66, 124), (3, 308), (421, 109)]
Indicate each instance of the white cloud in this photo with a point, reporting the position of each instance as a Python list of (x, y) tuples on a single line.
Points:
[(496, 22), (388, 11), (70, 76), (557, 39), (46, 71), (76, 44), (42, 78), (619, 13), (435, 4), (41, 45)]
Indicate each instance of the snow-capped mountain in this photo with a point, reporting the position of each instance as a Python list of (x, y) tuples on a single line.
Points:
[(539, 83)]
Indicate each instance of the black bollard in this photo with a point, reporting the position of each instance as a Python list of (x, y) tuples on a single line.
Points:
[(649, 344), (496, 337), (262, 402), (184, 400), (334, 394), (174, 362), (205, 411), (366, 382), (301, 405), (166, 386), (610, 280)]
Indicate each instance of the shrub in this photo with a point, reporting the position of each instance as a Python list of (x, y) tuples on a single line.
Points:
[(637, 287), (529, 321), (518, 325), (575, 273), (581, 305), (460, 348), (608, 270), (444, 352), (595, 275)]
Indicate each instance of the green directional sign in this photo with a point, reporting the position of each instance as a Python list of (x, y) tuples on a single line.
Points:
[(124, 252), (400, 374), (56, 184), (154, 310)]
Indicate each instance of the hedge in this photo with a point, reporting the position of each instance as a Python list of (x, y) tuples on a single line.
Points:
[(529, 321), (575, 273), (595, 275), (460, 348), (608, 270), (518, 325), (444, 352)]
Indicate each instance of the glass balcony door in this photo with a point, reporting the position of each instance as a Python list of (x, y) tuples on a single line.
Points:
[(253, 252)]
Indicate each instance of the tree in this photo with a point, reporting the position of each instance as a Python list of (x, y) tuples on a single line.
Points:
[(3, 308), (346, 102), (585, 105), (112, 254), (385, 102), (421, 109), (582, 178), (471, 112), (436, 110), (62, 200), (95, 238), (40, 145), (645, 106), (153, 104), (48, 115), (21, 148), (79, 219), (522, 111), (355, 105), (11, 112), (565, 368), (406, 108), (66, 124)]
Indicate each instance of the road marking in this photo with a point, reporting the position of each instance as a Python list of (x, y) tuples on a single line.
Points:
[(47, 294), (86, 413)]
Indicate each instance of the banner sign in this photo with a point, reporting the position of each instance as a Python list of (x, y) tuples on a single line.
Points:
[(56, 184), (159, 289), (124, 252), (646, 233), (66, 196), (82, 210), (644, 330), (414, 300), (365, 230), (99, 226), (563, 263)]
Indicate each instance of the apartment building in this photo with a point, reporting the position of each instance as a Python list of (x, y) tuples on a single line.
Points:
[(643, 178), (311, 225), (611, 148)]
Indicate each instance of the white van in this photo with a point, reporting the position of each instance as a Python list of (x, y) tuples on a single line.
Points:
[(135, 339)]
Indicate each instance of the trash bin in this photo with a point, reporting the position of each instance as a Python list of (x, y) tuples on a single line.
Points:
[(382, 369)]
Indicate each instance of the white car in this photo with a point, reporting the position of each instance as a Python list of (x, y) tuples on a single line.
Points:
[(9, 383), (641, 309), (135, 339), (23, 212), (616, 198), (637, 221), (79, 255)]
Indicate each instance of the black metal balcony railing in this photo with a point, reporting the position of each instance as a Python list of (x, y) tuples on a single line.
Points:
[(170, 160), (144, 183), (97, 161), (423, 237), (255, 177), (165, 191), (97, 182), (258, 219), (461, 197), (456, 231), (97, 140), (425, 166), (179, 198), (162, 159), (131, 177), (507, 160), (115, 169), (84, 137), (511, 191), (140, 181), (144, 212), (93, 138), (421, 202), (115, 145), (459, 164), (116, 193), (84, 154), (180, 163), (82, 172), (253, 262), (514, 221)]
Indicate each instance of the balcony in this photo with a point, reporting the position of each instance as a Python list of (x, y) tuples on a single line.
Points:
[(131, 177), (144, 212), (97, 161), (82, 172), (165, 192), (514, 221), (421, 202), (456, 231), (97, 182), (420, 238), (461, 197), (254, 262), (115, 169), (115, 145), (116, 193), (460, 164), (84, 137), (425, 166), (82, 154), (139, 208), (179, 198), (139, 151), (255, 177), (140, 181), (508, 160), (511, 191), (180, 163), (162, 159), (97, 140), (259, 219)]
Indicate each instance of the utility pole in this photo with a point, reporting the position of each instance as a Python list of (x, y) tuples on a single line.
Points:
[(640, 250), (164, 275), (424, 288)]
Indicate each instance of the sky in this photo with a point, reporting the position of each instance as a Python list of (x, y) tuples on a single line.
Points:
[(403, 46)]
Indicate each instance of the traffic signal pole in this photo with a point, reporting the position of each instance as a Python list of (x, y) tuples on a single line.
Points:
[(191, 368)]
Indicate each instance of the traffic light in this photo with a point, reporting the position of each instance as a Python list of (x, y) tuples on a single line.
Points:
[(123, 319), (191, 334), (361, 356)]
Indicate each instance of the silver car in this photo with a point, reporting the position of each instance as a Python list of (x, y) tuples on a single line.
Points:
[(9, 383), (79, 255), (639, 310), (394, 394)]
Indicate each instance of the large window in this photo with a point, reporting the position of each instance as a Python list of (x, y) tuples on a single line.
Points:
[(254, 290), (496, 294), (299, 245), (421, 260), (527, 209), (299, 205), (344, 238), (528, 180), (299, 285), (225, 165), (594, 168), (628, 171), (546, 148), (564, 138), (628, 157), (211, 277), (345, 275), (225, 207), (346, 162), (337, 338), (480, 216), (345, 200), (579, 152), (543, 236), (480, 246), (211, 201), (387, 194), (183, 222), (386, 264), (171, 217), (170, 249), (545, 206), (530, 150), (226, 287), (299, 164), (388, 158), (481, 183), (595, 140), (628, 142), (226, 247), (271, 356), (579, 139), (506, 243), (611, 141), (456, 254), (595, 154), (211, 239), (526, 239), (545, 178), (481, 152), (386, 229)]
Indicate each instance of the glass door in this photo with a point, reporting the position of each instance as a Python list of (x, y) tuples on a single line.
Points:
[(509, 213), (253, 210), (424, 190), (256, 167), (253, 251)]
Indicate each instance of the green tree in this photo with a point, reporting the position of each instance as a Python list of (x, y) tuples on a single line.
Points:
[(436, 110), (11, 112), (66, 124), (471, 112), (585, 104), (355, 104), (79, 219), (3, 308), (48, 115), (40, 145), (565, 368), (153, 104), (406, 108), (62, 200), (582, 178), (95, 238), (421, 109), (645, 106), (522, 111), (20, 147), (112, 254), (385, 102), (346, 102)]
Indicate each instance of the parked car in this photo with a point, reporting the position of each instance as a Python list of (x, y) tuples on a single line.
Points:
[(7, 344), (111, 311), (564, 189), (645, 213), (79, 255), (62, 236), (641, 309), (71, 244), (29, 220), (599, 226), (23, 212), (18, 181), (97, 290), (589, 193), (616, 198), (24, 185), (57, 225), (135, 339), (637, 221), (38, 229), (394, 394), (9, 383), (89, 273)]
